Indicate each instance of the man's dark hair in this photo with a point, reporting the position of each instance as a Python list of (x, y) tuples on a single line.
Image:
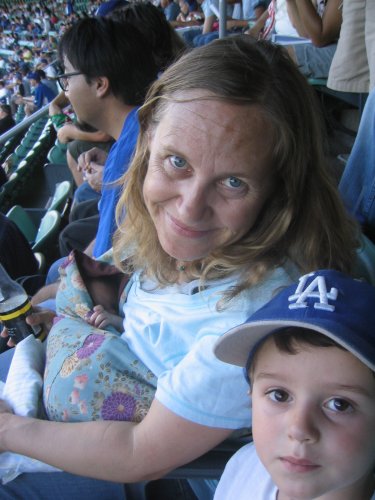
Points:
[(118, 51), (166, 44)]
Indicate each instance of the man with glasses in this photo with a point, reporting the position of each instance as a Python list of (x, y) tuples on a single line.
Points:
[(108, 69)]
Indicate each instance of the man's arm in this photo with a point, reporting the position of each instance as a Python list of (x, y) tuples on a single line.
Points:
[(70, 132)]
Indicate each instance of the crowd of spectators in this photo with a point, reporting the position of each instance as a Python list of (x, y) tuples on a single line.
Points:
[(102, 85), (29, 34)]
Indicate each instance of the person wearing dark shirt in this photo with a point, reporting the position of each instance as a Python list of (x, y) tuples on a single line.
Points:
[(16, 255), (6, 119)]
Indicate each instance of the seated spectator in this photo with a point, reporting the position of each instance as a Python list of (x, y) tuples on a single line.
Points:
[(112, 111), (6, 118), (166, 45), (309, 359), (353, 65), (4, 93), (16, 255), (18, 90), (78, 137), (227, 199), (319, 22), (48, 82), (42, 94), (170, 8), (357, 184)]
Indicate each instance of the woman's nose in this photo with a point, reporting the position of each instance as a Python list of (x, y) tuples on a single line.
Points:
[(193, 203)]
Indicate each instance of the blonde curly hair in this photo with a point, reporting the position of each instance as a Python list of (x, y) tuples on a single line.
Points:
[(303, 220)]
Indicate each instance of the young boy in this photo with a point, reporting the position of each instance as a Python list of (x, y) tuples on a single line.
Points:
[(309, 357)]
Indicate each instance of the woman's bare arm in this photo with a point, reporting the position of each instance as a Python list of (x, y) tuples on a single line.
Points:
[(115, 451), (308, 23)]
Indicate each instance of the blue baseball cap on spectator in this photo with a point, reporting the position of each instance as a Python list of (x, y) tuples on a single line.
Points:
[(327, 302), (32, 76), (107, 7)]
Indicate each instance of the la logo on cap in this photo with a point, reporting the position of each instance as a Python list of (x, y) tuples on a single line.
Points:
[(317, 289)]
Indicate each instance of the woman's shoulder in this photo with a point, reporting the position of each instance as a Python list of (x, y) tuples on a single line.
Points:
[(272, 282)]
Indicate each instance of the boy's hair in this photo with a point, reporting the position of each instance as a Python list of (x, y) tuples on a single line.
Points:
[(118, 51), (289, 340), (303, 219)]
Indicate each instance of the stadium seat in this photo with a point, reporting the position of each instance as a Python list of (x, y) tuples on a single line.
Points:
[(60, 197), (57, 154), (24, 222), (47, 233), (41, 229)]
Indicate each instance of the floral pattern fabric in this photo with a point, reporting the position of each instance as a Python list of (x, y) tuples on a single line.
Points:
[(91, 374)]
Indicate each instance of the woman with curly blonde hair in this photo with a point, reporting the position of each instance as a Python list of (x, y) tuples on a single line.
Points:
[(228, 198), (302, 219)]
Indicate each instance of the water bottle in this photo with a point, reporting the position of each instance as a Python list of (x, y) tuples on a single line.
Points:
[(15, 306)]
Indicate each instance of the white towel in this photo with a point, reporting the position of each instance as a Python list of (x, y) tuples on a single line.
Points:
[(23, 392)]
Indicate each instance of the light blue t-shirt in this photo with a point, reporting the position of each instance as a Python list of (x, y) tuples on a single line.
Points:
[(173, 331)]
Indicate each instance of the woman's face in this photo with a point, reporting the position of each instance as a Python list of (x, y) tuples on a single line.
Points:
[(209, 175)]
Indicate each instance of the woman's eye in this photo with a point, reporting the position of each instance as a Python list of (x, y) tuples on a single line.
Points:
[(233, 182), (278, 395), (177, 161), (339, 405)]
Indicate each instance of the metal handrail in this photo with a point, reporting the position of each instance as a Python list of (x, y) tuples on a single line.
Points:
[(25, 124), (223, 18)]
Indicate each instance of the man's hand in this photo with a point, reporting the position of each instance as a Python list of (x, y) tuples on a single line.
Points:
[(66, 133), (94, 176), (94, 155)]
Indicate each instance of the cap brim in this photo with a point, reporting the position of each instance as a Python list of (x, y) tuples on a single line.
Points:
[(235, 345)]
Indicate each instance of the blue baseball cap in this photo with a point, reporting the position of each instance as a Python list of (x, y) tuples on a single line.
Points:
[(327, 301), (33, 76)]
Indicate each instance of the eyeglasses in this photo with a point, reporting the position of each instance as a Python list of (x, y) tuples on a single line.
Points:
[(64, 79)]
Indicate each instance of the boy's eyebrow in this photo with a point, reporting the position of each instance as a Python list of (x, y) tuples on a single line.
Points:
[(353, 388), (342, 387), (266, 375)]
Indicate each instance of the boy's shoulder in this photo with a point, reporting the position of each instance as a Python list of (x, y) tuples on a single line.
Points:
[(243, 473)]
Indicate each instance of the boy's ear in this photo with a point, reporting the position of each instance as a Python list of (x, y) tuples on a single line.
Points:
[(102, 86)]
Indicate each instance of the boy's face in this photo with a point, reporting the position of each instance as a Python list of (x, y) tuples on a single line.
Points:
[(314, 421)]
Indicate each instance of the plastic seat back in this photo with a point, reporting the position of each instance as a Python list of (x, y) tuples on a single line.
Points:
[(24, 222), (60, 196), (47, 232)]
